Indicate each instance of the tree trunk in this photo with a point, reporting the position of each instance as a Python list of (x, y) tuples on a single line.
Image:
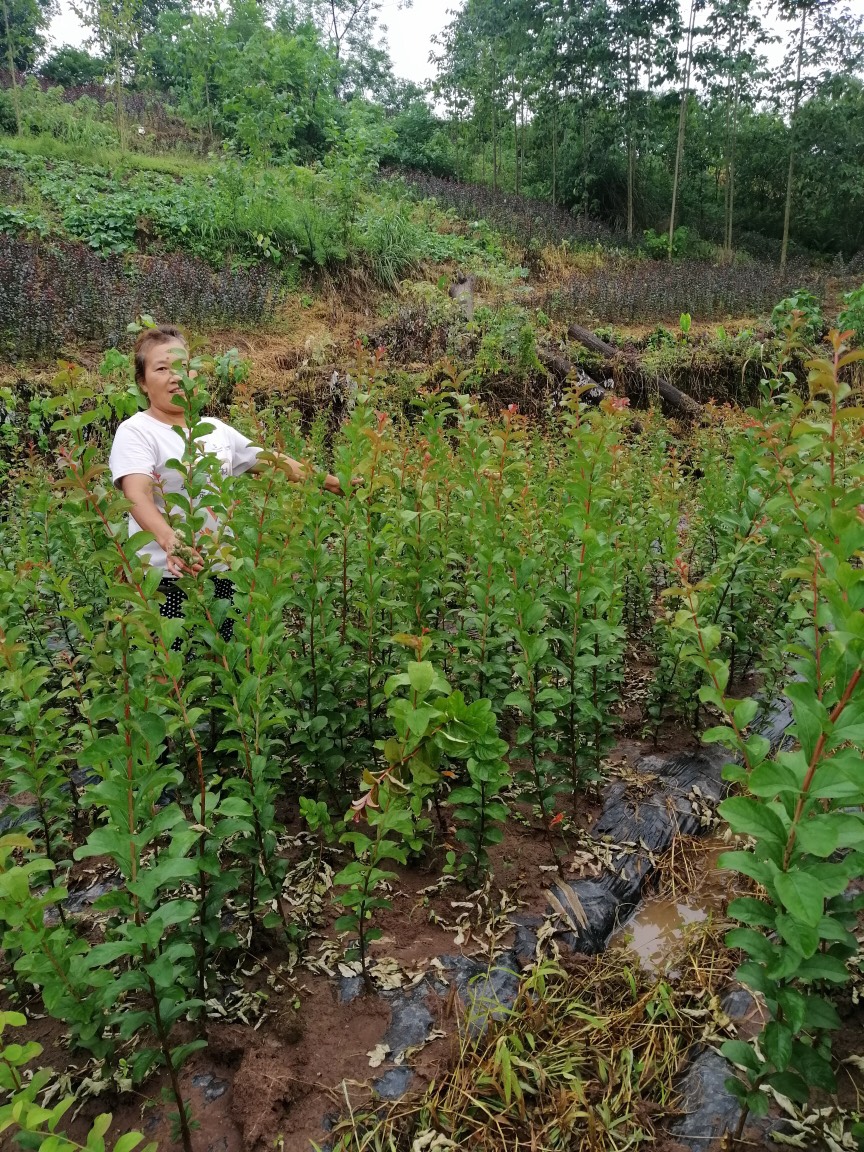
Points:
[(730, 170), (522, 143), (554, 149), (13, 78), (682, 124), (584, 130), (730, 142), (673, 400), (515, 141), (787, 214), (494, 145), (631, 156), (494, 150), (119, 110)]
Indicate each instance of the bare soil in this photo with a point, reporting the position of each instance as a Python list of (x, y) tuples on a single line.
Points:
[(272, 1081)]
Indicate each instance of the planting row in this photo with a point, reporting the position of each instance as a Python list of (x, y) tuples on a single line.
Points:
[(451, 634)]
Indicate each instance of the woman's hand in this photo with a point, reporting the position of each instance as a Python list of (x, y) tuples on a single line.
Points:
[(180, 559), (331, 484)]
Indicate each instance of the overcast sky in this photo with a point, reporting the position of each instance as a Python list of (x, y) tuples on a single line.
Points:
[(410, 33)]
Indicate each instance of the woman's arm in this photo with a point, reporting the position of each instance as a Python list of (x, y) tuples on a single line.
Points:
[(295, 470), (138, 489)]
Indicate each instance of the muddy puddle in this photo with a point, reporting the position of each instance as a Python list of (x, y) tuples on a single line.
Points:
[(656, 931)]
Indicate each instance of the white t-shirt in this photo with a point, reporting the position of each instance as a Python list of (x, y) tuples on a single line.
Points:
[(143, 445)]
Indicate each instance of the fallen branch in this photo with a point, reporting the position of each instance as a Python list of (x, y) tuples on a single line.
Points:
[(563, 369), (675, 402)]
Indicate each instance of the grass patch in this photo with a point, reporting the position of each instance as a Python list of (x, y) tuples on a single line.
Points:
[(51, 148), (586, 1059)]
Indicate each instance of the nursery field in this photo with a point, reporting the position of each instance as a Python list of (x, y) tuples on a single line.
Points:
[(361, 876), (494, 779)]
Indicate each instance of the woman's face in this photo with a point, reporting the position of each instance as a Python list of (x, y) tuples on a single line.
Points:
[(162, 381)]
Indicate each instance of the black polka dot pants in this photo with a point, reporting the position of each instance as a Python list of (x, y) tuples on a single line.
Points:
[(171, 607)]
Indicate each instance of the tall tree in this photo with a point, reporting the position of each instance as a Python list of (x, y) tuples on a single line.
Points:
[(732, 69), (647, 33), (824, 40), (23, 32), (113, 26), (695, 6), (355, 33), (70, 67)]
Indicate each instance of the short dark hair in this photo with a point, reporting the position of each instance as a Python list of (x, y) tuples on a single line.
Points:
[(152, 338)]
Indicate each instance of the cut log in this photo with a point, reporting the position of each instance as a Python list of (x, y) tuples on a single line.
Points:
[(674, 401), (563, 369)]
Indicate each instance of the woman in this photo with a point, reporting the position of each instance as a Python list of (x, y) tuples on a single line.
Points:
[(145, 443)]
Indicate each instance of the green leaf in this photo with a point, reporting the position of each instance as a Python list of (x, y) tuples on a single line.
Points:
[(811, 715), (747, 817), (735, 1088), (758, 1103), (819, 835), (751, 942), (745, 712), (421, 676), (823, 966), (820, 1013), (757, 747), (720, 735), (746, 863), (790, 1085), (776, 1043), (753, 975), (100, 1126), (770, 778), (737, 1052), (128, 1141), (801, 895), (793, 1004), (804, 938), (749, 910), (182, 1052), (418, 719), (814, 1068)]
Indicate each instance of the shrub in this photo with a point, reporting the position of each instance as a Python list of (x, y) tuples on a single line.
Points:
[(800, 313), (64, 292), (521, 217), (47, 112), (651, 290), (69, 66), (851, 316), (8, 123), (392, 243), (685, 244)]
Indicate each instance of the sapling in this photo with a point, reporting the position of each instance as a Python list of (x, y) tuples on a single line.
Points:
[(800, 807), (433, 726), (50, 957), (414, 756), (154, 925), (491, 468), (368, 447), (477, 804), (364, 878), (588, 605), (250, 672), (316, 816), (484, 637), (31, 1124), (315, 601), (536, 698), (33, 745)]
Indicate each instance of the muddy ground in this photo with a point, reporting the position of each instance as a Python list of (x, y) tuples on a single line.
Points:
[(289, 1052)]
